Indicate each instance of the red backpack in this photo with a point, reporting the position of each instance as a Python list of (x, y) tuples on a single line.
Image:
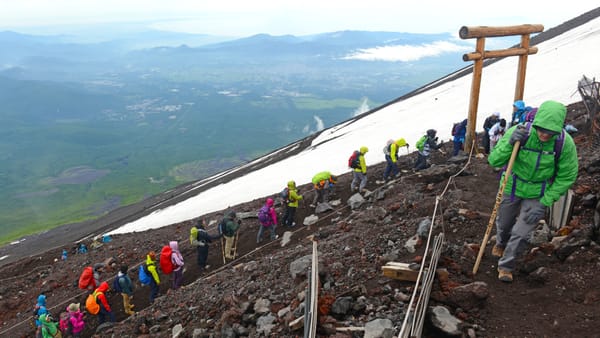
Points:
[(166, 265), (86, 278)]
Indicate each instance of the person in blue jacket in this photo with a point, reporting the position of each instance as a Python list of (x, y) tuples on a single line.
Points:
[(519, 112), (459, 136)]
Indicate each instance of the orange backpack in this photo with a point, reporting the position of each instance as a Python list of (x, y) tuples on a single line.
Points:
[(91, 303)]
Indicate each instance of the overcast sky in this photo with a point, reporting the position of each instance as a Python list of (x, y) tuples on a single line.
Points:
[(244, 18)]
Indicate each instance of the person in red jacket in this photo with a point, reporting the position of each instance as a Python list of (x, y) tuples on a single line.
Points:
[(105, 309)]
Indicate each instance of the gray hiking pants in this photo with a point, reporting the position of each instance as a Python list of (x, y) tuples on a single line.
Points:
[(512, 232), (356, 178)]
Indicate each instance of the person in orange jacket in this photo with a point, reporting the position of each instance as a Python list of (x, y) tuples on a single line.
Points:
[(105, 309)]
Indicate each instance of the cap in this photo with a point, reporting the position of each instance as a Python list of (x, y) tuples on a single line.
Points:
[(73, 307), (497, 114)]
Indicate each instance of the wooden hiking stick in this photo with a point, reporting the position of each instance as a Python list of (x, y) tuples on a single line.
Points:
[(223, 248), (495, 210), (235, 243)]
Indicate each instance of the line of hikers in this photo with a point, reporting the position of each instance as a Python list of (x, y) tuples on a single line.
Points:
[(529, 193)]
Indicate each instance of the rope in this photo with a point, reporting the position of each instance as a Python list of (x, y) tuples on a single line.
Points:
[(414, 304)]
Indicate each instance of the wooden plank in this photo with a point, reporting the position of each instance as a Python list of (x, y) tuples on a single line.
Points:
[(400, 271), (487, 31), (490, 54)]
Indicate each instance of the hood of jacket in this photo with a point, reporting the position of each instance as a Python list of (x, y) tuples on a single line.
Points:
[(270, 202), (41, 301), (550, 115), (400, 142), (291, 185), (103, 287), (519, 104), (364, 150), (174, 246)]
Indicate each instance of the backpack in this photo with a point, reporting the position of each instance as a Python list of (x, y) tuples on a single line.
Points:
[(166, 265), (64, 324), (285, 195), (455, 128), (86, 278), (387, 150), (354, 160), (421, 143), (263, 215), (144, 275), (116, 285), (91, 303)]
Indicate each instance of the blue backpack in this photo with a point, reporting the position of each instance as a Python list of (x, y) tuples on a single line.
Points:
[(144, 275), (263, 215)]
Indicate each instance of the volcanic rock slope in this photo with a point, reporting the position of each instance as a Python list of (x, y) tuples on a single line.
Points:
[(262, 291)]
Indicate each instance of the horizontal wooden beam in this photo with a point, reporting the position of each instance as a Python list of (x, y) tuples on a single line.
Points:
[(486, 31), (489, 54), (401, 271)]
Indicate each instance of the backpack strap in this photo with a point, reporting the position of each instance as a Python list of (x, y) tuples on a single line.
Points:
[(558, 145)]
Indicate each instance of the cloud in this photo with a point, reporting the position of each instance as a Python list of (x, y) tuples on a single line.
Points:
[(406, 53), (364, 107), (319, 125)]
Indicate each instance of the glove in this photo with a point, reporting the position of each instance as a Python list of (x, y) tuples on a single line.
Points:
[(520, 134), (535, 214), (239, 222)]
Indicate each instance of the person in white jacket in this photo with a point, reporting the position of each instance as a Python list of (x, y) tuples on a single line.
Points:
[(496, 132)]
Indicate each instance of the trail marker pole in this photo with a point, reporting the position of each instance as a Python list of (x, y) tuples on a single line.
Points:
[(480, 54)]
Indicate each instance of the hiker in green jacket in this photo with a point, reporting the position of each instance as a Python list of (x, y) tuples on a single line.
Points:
[(229, 227), (536, 181)]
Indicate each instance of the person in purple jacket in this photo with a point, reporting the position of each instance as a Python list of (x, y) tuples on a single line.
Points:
[(267, 216)]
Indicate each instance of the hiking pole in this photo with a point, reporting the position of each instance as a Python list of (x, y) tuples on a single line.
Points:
[(223, 248), (495, 210), (235, 243)]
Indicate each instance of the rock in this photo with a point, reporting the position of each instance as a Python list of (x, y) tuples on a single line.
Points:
[(341, 306), (469, 296), (177, 331), (356, 201), (262, 306), (264, 324), (379, 328), (441, 319)]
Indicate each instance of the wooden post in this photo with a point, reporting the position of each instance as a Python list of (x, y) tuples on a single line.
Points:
[(480, 54)]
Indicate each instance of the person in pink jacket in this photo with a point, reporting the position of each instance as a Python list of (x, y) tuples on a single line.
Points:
[(177, 260), (73, 324), (267, 216)]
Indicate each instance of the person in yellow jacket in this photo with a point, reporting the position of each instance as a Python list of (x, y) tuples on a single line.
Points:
[(292, 204), (391, 158), (323, 183), (155, 280), (359, 178)]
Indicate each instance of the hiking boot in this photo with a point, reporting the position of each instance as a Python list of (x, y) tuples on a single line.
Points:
[(497, 251), (504, 275)]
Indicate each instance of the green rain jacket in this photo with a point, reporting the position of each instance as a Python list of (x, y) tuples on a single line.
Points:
[(49, 328), (293, 194), (528, 179)]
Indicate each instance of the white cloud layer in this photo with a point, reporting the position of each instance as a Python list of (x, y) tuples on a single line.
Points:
[(406, 53)]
